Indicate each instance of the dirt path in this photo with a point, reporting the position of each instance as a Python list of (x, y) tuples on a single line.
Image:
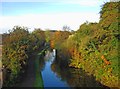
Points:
[(29, 77)]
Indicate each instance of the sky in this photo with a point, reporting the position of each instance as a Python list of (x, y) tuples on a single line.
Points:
[(48, 14)]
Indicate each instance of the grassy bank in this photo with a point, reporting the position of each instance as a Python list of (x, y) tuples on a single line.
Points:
[(38, 80)]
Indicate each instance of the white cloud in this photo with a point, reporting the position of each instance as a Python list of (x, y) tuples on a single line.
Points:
[(51, 21)]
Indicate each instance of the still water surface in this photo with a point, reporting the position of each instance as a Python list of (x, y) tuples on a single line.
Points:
[(56, 76), (49, 77)]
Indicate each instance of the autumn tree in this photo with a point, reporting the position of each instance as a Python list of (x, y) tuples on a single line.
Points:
[(15, 53), (37, 38)]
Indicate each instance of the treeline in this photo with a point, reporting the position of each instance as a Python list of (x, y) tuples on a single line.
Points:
[(94, 46), (18, 45)]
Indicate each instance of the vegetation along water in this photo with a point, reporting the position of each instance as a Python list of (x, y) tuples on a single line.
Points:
[(88, 57)]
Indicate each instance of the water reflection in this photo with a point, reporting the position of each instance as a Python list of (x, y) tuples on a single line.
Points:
[(49, 77), (68, 76), (49, 56), (75, 77)]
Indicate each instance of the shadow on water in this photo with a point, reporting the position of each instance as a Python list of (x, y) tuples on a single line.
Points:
[(75, 78), (42, 64)]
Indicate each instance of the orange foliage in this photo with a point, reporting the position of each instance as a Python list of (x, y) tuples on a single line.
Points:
[(105, 60), (74, 52), (71, 51), (57, 33), (52, 44)]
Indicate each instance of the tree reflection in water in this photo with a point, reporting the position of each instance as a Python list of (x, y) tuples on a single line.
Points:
[(75, 77), (44, 57)]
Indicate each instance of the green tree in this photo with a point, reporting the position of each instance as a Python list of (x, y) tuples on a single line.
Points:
[(15, 53)]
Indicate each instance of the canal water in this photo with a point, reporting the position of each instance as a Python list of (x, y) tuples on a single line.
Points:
[(55, 75), (50, 79)]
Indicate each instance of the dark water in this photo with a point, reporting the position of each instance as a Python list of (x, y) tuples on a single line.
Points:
[(55, 74)]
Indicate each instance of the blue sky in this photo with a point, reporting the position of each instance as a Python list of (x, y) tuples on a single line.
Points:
[(19, 8), (48, 14)]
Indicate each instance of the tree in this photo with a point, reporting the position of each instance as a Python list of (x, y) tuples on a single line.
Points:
[(15, 53), (109, 16), (47, 35), (66, 28)]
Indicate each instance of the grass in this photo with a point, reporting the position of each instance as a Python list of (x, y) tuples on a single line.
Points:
[(38, 80)]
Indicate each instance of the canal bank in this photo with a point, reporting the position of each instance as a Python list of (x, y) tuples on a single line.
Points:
[(44, 71), (38, 77), (32, 76)]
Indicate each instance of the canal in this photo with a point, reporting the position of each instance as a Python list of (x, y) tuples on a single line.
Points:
[(54, 75)]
